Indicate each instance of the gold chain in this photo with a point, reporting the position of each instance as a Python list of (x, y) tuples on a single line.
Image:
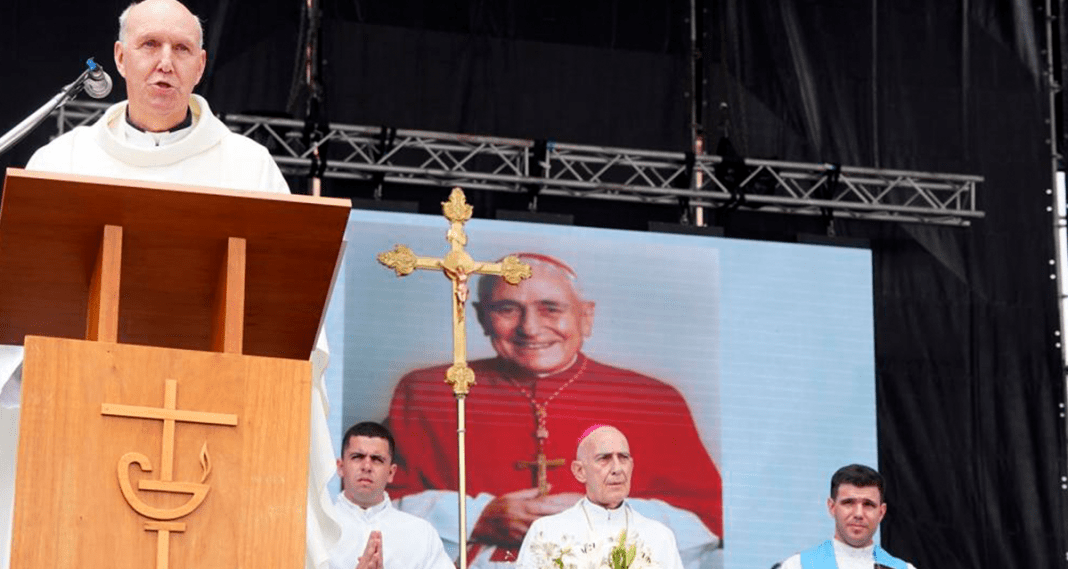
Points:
[(541, 412)]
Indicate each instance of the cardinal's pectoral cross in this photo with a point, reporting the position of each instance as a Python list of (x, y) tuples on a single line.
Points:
[(541, 464), (457, 266)]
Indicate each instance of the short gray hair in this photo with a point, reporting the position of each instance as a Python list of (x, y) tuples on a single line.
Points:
[(486, 283), (126, 14)]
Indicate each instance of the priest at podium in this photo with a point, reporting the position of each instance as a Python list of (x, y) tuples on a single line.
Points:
[(165, 133), (602, 525), (528, 405)]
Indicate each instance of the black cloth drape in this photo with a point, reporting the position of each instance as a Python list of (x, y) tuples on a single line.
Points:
[(969, 385)]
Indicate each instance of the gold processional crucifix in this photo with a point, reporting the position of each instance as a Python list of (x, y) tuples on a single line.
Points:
[(457, 266)]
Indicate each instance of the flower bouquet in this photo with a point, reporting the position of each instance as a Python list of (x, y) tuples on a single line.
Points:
[(620, 552)]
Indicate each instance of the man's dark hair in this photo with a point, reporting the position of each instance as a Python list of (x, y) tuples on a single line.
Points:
[(858, 475), (373, 430)]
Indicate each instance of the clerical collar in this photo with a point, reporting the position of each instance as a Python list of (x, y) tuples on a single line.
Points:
[(367, 512), (186, 122), (140, 137), (517, 373), (598, 513), (569, 365), (844, 549)]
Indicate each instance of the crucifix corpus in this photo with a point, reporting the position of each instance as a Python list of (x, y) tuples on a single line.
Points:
[(457, 265)]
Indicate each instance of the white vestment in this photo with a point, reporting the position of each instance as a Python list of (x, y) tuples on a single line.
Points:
[(209, 155), (698, 547), (845, 555), (206, 154), (408, 542), (587, 526)]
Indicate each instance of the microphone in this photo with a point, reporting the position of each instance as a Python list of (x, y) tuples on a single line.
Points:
[(97, 83)]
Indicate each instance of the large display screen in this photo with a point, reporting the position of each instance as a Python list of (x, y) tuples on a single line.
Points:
[(742, 373)]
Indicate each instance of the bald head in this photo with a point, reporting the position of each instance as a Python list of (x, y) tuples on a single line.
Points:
[(604, 464), (599, 436), (156, 5)]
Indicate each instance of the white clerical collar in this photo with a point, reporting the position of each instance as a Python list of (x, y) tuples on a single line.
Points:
[(137, 137), (601, 515), (370, 512), (570, 364), (145, 139), (845, 550)]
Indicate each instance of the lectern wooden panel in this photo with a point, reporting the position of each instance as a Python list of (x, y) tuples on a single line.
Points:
[(238, 431), (166, 383)]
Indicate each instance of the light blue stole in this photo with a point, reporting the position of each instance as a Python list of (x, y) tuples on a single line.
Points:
[(822, 557)]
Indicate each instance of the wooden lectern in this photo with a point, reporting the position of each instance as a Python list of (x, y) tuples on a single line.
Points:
[(166, 380)]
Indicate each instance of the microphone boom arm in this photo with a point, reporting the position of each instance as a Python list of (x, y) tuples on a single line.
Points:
[(68, 92)]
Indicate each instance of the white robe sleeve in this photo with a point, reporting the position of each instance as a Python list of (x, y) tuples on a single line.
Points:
[(696, 543), (10, 396), (435, 557), (525, 559), (10, 376), (323, 529), (439, 508), (669, 555), (9, 438)]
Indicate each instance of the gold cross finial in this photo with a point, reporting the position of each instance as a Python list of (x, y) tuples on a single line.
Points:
[(457, 265)]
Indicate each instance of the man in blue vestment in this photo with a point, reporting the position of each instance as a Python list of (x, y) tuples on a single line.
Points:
[(857, 506)]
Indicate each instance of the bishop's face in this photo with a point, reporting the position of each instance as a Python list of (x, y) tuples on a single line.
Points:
[(605, 466), (857, 511), (538, 325)]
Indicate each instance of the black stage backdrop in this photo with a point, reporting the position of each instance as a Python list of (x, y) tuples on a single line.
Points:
[(969, 383)]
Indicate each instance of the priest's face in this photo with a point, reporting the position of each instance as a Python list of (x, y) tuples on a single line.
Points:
[(538, 325), (161, 59), (365, 468), (605, 466), (857, 511)]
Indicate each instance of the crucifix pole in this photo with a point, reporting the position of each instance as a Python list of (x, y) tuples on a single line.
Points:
[(457, 266)]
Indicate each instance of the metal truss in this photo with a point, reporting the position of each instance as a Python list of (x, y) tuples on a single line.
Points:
[(416, 157)]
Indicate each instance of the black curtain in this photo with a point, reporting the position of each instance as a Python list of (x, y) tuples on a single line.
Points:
[(969, 384), (969, 380), (602, 72)]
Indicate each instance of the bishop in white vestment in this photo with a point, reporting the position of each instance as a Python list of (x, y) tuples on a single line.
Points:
[(602, 521)]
